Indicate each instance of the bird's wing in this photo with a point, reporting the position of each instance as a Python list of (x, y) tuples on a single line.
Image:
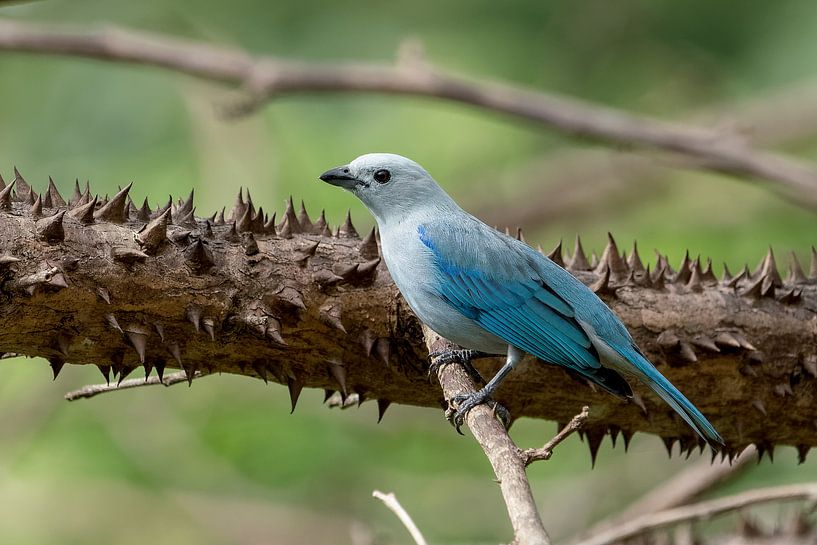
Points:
[(486, 278)]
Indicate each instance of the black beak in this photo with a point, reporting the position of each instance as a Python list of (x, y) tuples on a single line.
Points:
[(340, 177)]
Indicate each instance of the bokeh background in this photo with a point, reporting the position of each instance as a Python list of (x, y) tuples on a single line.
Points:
[(224, 462)]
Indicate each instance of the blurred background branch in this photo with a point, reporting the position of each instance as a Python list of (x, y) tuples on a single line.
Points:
[(265, 78)]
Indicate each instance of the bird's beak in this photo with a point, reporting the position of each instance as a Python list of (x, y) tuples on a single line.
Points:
[(340, 177)]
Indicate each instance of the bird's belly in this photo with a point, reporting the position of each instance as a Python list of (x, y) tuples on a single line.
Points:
[(449, 323)]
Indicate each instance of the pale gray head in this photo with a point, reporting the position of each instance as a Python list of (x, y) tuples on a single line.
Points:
[(389, 185)]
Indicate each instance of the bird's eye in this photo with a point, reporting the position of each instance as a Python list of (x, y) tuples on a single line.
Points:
[(382, 176)]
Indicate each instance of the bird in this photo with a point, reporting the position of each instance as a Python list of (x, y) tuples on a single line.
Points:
[(492, 294)]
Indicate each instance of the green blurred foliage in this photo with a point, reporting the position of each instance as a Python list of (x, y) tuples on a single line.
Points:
[(223, 462)]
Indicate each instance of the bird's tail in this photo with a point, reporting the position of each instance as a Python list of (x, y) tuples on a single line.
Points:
[(673, 397)]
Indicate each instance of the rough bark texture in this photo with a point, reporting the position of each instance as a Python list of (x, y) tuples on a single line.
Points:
[(304, 305)]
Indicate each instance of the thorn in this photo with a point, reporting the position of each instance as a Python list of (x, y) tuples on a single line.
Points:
[(187, 206), (219, 219), (602, 285), (56, 366), (115, 210), (160, 369), (695, 278), (302, 256), (614, 431), (687, 352), (285, 229), (802, 452), (769, 269), (305, 221), (174, 350), (188, 220), (668, 340), (658, 277), (382, 348), (199, 256), (634, 261), (330, 314), (128, 256), (708, 276), (290, 297), (72, 202), (244, 223), (727, 276), (143, 214), (726, 339), (6, 260), (111, 319), (755, 290), (238, 208), (105, 370), (209, 326), (669, 442), (294, 387), (626, 435), (84, 213), (611, 259), (194, 317), (154, 233), (326, 278), (50, 228), (273, 330), (796, 274), (338, 372), (347, 230), (260, 370), (555, 255), (269, 226), (138, 338), (46, 200), (520, 236), (594, 438), (326, 232), (368, 246), (382, 406), (684, 270), (327, 394), (290, 220), (639, 401), (56, 199), (36, 209), (368, 338), (758, 404), (321, 223), (5, 197), (706, 343), (23, 189)]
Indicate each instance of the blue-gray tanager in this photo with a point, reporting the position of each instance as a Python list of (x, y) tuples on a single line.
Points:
[(493, 294)]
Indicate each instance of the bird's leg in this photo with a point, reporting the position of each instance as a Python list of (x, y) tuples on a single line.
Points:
[(466, 402), (462, 356)]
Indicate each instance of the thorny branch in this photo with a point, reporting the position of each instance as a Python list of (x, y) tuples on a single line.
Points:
[(267, 77), (531, 455)]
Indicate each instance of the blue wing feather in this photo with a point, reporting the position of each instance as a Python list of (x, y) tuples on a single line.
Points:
[(518, 307)]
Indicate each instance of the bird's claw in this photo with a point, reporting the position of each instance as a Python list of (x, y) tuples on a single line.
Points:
[(460, 405), (461, 356)]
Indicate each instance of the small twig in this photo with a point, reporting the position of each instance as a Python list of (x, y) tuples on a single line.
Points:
[(265, 78), (391, 502), (687, 485), (498, 447), (530, 455), (95, 389), (702, 510)]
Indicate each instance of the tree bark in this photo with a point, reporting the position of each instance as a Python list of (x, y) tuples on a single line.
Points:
[(306, 306)]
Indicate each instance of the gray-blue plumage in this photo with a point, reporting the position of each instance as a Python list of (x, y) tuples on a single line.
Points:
[(489, 292)]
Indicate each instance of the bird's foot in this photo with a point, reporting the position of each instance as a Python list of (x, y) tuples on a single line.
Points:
[(460, 405), (462, 356)]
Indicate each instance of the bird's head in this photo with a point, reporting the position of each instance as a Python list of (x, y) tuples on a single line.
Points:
[(389, 185)]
